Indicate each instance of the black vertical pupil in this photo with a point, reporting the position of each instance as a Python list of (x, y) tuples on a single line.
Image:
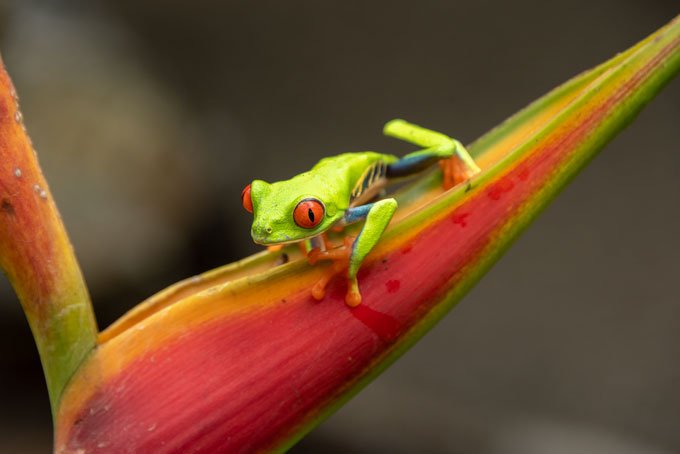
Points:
[(310, 213)]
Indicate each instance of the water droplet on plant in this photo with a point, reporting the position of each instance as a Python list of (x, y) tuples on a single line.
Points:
[(18, 116), (40, 191), (17, 172), (102, 444), (151, 428)]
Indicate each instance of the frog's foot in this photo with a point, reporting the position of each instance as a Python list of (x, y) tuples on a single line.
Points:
[(455, 161), (455, 171), (340, 253), (319, 289), (340, 257)]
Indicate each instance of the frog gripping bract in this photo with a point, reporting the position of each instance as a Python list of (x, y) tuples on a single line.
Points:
[(347, 189)]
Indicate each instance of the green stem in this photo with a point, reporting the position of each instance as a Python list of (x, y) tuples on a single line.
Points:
[(37, 256)]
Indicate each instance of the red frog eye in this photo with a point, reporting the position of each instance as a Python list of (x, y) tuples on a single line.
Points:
[(308, 213), (246, 199)]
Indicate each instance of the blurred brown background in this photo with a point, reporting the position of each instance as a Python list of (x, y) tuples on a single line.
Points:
[(150, 117)]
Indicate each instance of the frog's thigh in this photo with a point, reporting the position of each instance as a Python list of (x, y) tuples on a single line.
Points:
[(377, 218)]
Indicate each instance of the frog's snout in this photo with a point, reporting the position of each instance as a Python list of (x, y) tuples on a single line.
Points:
[(261, 232)]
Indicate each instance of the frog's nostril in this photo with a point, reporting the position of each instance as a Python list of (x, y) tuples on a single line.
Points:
[(268, 229)]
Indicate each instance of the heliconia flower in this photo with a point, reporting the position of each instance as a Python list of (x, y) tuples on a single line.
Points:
[(242, 358)]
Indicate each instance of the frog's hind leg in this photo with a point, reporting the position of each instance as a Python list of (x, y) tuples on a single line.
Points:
[(456, 163), (352, 254)]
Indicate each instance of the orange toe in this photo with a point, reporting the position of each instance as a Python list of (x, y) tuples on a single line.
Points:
[(454, 172), (353, 299), (340, 258), (319, 290)]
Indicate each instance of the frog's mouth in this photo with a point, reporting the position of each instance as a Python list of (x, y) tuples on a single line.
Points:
[(270, 242), (274, 239)]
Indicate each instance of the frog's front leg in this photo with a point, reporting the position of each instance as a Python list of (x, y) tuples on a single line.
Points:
[(456, 163), (352, 255)]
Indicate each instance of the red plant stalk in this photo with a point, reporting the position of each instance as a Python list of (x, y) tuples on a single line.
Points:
[(36, 255)]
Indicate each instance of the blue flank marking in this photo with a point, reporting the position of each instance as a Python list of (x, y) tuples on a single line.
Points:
[(356, 214), (409, 166)]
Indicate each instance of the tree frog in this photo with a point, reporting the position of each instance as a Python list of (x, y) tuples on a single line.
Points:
[(346, 189)]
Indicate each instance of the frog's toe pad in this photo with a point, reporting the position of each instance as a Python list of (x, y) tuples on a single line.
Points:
[(455, 171), (353, 296), (319, 290)]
